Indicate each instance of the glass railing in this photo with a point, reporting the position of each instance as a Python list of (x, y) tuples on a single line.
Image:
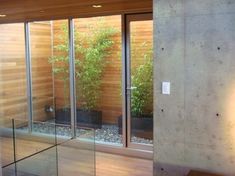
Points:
[(43, 163), (37, 153), (6, 141)]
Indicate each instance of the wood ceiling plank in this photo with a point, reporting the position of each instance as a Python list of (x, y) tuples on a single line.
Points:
[(29, 10)]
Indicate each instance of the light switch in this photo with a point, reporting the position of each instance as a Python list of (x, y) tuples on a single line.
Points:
[(166, 88)]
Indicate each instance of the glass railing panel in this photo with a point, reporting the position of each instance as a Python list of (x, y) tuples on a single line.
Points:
[(6, 142), (9, 170), (29, 143), (78, 154), (44, 163)]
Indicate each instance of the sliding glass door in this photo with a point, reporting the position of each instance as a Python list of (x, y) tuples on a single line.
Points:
[(139, 81), (98, 72)]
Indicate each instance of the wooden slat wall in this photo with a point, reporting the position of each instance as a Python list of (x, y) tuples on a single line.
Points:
[(12, 72), (13, 101), (42, 80)]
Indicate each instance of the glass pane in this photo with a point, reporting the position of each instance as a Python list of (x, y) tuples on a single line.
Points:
[(6, 142), (98, 77), (60, 69), (50, 76), (141, 34), (78, 154), (42, 80), (9, 170), (43, 163), (27, 144), (13, 98)]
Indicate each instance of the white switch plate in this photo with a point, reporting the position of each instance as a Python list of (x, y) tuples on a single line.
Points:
[(166, 88)]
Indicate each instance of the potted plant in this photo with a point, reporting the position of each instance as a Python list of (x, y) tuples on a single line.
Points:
[(91, 49), (92, 52), (142, 98)]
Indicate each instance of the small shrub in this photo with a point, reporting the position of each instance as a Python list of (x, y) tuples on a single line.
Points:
[(98, 42), (91, 48), (142, 79), (60, 63)]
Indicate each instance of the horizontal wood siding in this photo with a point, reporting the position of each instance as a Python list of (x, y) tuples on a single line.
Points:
[(13, 102), (42, 80)]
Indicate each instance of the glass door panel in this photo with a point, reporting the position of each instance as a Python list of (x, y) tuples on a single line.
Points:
[(98, 77), (50, 76), (140, 80)]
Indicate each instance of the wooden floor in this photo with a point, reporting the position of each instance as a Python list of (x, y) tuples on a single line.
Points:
[(73, 161), (114, 165)]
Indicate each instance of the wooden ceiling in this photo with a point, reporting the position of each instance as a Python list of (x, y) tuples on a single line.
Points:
[(32, 10)]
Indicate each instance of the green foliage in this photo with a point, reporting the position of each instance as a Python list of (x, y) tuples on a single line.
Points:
[(142, 79), (92, 48), (60, 62), (92, 63)]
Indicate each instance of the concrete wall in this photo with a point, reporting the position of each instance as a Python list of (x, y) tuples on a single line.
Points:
[(195, 51)]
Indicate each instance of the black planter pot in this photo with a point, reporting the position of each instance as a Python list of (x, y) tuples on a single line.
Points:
[(91, 119), (62, 116), (140, 126)]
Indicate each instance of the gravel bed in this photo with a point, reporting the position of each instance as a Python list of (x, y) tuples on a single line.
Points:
[(107, 134)]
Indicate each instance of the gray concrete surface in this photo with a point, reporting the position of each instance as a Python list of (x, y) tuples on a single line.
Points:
[(194, 126)]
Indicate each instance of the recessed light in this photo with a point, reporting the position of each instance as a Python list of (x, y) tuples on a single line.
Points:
[(2, 15), (97, 6)]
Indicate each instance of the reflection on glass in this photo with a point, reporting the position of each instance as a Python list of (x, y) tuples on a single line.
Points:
[(141, 33)]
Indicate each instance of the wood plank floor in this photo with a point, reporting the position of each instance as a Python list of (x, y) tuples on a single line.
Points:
[(74, 161), (115, 165)]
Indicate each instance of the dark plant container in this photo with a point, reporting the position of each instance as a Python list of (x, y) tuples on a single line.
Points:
[(140, 126), (90, 119), (62, 116)]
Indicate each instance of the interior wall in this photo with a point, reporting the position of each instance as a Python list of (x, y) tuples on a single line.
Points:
[(194, 49)]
